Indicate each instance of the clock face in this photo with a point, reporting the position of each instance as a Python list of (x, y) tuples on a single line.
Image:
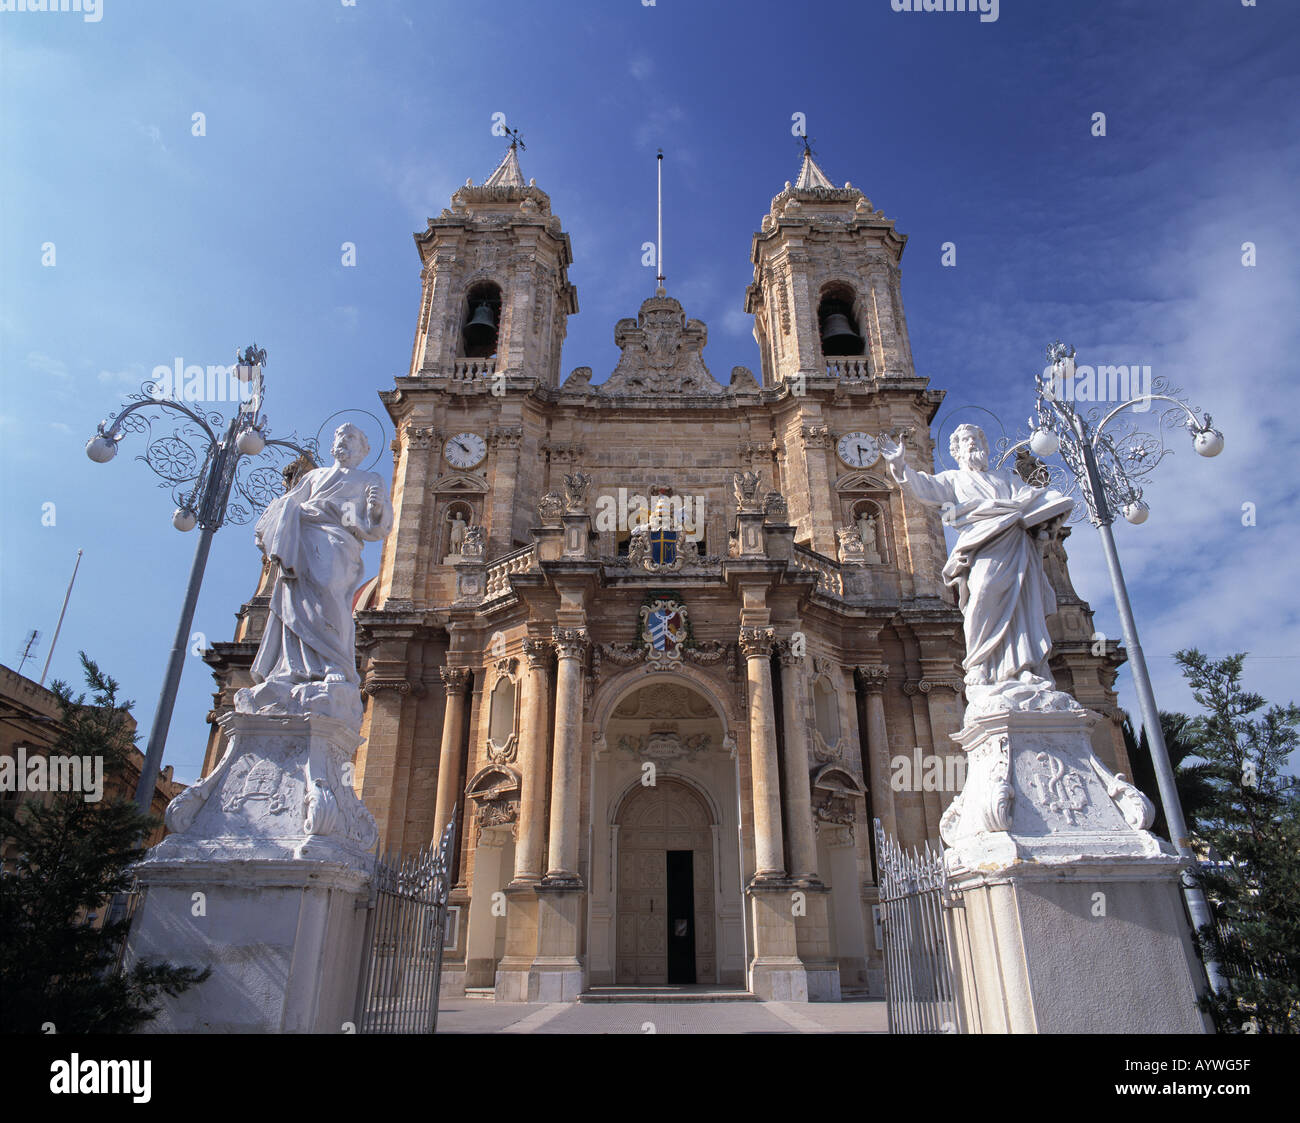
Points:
[(465, 450), (858, 450)]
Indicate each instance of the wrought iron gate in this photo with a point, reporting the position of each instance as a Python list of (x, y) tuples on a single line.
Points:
[(919, 977), (406, 927)]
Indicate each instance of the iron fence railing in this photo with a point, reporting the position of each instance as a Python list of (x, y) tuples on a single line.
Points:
[(920, 976), (406, 928)]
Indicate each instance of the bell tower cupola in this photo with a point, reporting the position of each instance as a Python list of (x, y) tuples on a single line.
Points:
[(495, 294), (825, 296)]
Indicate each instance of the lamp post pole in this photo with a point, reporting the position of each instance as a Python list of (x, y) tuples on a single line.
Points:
[(207, 505), (1106, 470)]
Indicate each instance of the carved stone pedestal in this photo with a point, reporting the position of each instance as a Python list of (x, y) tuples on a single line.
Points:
[(266, 881), (1069, 918), (776, 973)]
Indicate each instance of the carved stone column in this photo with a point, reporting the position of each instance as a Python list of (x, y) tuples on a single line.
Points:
[(557, 974), (882, 795), (530, 857), (799, 819), (454, 680), (776, 971), (570, 648), (756, 644), (514, 970)]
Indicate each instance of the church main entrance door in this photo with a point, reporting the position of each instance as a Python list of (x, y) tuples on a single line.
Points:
[(665, 888)]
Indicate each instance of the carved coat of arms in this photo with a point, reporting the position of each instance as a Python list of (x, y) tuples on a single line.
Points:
[(663, 631)]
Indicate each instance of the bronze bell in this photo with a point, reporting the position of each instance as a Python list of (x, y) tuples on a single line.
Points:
[(838, 336), (482, 327)]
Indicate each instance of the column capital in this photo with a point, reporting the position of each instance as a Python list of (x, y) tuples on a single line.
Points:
[(874, 675), (454, 679), (537, 652), (569, 643), (756, 642), (788, 658)]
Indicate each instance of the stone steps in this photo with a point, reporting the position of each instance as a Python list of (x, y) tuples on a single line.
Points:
[(640, 995)]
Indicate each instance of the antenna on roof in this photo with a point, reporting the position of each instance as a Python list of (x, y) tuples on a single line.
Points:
[(28, 650), (659, 244)]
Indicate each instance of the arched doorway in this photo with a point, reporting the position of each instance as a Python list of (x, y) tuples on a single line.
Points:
[(665, 903)]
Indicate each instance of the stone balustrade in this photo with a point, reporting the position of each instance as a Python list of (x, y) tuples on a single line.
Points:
[(830, 579), (849, 368)]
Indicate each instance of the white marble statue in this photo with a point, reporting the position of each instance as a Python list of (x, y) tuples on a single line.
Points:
[(457, 537), (867, 532), (996, 566), (306, 663)]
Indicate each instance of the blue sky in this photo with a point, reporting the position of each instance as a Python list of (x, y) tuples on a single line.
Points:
[(328, 123)]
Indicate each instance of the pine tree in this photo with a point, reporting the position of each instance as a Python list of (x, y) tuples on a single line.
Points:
[(1253, 828), (72, 856)]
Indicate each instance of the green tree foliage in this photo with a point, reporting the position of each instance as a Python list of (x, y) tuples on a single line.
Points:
[(72, 856), (1191, 776), (1252, 825)]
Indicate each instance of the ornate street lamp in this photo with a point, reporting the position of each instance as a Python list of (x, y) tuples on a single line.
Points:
[(201, 483), (1106, 468)]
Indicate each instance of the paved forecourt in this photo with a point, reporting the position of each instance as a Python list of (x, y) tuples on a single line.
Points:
[(474, 1016)]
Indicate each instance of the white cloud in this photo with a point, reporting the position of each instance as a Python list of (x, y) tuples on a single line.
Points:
[(47, 365)]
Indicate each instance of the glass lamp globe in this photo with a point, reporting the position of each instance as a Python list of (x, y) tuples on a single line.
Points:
[(250, 442), (1044, 442), (1136, 512), (184, 519), (101, 449), (1208, 442)]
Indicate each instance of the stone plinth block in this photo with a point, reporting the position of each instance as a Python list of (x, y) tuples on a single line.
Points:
[(284, 940), (776, 973), (265, 881), (557, 973), (1070, 918)]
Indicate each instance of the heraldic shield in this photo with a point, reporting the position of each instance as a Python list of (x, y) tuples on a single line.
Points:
[(663, 630)]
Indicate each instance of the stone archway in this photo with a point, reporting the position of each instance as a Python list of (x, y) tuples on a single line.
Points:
[(665, 901)]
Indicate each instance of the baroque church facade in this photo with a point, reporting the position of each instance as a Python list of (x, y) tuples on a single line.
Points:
[(667, 645)]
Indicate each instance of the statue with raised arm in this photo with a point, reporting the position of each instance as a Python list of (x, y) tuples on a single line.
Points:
[(306, 663), (996, 566)]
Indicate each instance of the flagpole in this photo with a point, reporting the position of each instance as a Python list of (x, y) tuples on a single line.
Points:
[(58, 627), (659, 243)]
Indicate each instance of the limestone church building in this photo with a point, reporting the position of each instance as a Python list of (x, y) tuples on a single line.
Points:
[(670, 643)]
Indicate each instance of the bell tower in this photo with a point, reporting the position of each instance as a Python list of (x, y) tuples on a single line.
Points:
[(825, 296), (495, 287)]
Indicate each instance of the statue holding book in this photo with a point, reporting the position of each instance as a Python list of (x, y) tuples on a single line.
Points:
[(996, 566)]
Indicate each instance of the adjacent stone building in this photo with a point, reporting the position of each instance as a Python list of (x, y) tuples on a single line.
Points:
[(670, 644)]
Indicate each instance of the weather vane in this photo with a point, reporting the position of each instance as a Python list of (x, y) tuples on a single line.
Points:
[(516, 141)]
